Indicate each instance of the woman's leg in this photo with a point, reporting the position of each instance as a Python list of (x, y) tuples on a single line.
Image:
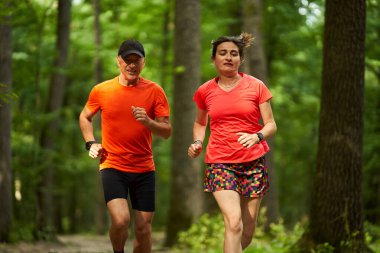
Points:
[(229, 204), (250, 211)]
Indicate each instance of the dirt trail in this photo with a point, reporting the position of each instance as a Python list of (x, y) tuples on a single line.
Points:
[(78, 244)]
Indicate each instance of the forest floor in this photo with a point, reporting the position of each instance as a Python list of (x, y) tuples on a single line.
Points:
[(78, 244)]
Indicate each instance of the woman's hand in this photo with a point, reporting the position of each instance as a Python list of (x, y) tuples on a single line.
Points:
[(248, 140), (195, 149)]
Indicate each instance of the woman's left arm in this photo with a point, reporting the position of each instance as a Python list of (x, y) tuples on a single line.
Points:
[(270, 127)]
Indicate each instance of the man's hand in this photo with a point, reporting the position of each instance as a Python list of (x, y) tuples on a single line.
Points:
[(95, 150), (140, 115)]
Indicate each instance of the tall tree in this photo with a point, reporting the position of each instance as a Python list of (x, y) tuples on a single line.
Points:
[(100, 215), (5, 123), (55, 102), (256, 65), (185, 174), (336, 205)]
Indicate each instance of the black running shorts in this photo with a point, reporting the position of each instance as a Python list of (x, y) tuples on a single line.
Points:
[(140, 186)]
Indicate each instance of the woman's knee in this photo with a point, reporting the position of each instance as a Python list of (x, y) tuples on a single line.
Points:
[(234, 224)]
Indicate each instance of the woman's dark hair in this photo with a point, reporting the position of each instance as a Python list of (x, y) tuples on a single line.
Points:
[(242, 41)]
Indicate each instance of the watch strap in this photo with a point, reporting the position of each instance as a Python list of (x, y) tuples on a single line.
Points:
[(260, 136), (89, 144)]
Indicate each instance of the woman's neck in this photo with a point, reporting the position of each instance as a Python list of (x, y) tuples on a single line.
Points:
[(228, 81)]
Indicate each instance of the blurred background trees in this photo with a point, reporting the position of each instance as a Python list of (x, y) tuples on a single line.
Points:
[(45, 148)]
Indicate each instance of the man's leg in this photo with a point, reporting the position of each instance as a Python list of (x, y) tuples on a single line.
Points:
[(250, 211), (143, 232), (120, 217), (229, 204)]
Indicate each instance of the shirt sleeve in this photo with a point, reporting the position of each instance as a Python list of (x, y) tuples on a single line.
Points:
[(93, 100), (199, 99), (161, 108), (264, 93)]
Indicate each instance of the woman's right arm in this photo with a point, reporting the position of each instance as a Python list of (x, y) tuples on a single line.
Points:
[(199, 131)]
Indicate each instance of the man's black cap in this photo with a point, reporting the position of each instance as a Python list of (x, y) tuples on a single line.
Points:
[(131, 47)]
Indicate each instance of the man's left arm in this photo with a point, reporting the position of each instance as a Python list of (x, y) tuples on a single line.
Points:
[(160, 126)]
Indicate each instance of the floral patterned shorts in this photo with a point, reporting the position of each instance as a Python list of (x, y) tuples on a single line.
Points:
[(249, 179)]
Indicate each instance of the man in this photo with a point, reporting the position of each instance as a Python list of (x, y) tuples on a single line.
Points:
[(132, 109)]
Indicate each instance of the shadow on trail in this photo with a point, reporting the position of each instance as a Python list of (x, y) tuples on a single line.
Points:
[(78, 244)]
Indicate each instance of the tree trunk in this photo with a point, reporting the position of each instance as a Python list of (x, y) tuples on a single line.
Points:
[(100, 213), (256, 64), (49, 134), (165, 44), (185, 175), (5, 126), (336, 205)]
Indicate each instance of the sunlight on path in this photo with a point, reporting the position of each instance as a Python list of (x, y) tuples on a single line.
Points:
[(78, 244)]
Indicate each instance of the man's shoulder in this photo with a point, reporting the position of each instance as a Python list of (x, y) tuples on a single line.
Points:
[(107, 83), (150, 84)]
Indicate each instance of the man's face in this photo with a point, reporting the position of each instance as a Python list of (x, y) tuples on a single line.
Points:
[(131, 67)]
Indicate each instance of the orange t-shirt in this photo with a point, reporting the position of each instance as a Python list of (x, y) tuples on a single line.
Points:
[(126, 142), (232, 112)]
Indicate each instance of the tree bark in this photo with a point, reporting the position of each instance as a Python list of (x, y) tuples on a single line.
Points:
[(49, 133), (5, 126), (255, 64), (336, 205), (185, 191), (100, 213)]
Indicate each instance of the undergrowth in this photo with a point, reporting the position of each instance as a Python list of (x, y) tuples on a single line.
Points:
[(207, 236)]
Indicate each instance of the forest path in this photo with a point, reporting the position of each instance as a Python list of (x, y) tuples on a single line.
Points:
[(78, 244)]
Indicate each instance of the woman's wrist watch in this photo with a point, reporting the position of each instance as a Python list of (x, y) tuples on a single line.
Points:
[(260, 135), (198, 142)]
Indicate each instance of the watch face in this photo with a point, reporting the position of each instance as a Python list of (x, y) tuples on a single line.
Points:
[(260, 135)]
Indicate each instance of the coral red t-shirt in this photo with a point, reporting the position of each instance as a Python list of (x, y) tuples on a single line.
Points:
[(127, 142), (232, 112)]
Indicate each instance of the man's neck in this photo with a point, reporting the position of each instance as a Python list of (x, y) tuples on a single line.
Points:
[(125, 82)]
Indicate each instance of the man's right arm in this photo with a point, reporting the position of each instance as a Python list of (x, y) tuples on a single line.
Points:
[(85, 123)]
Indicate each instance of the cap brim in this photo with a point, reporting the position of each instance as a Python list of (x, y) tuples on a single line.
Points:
[(128, 52)]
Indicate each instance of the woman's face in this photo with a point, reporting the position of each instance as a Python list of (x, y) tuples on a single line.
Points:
[(227, 58)]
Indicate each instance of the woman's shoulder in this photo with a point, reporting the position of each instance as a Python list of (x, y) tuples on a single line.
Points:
[(207, 85), (252, 79)]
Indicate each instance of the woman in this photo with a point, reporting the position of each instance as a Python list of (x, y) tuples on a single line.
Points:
[(236, 171)]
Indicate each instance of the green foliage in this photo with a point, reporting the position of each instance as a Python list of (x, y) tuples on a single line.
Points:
[(294, 79), (207, 235), (372, 236), (293, 33), (372, 115), (6, 96)]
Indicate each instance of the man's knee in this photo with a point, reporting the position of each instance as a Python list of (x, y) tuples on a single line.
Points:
[(120, 223), (143, 229)]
